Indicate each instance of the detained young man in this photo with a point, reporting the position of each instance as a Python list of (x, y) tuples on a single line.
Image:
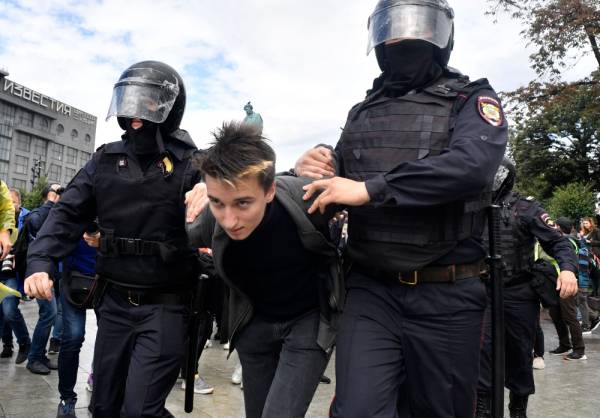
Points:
[(280, 266)]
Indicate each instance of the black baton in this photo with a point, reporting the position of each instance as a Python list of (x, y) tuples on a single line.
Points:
[(497, 286), (198, 306)]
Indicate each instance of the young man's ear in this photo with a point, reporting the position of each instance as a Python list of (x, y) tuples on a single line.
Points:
[(271, 193)]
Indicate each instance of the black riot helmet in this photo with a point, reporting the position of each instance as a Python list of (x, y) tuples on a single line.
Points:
[(425, 20), (504, 179), (152, 91)]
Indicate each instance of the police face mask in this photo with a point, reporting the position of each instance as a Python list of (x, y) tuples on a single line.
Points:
[(408, 65), (143, 138)]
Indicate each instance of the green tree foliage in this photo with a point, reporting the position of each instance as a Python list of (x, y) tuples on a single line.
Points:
[(560, 145), (555, 140), (574, 200), (33, 199), (562, 30)]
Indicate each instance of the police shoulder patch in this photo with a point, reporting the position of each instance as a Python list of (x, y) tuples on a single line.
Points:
[(547, 220), (490, 110)]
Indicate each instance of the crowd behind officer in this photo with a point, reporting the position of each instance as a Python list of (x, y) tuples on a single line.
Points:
[(135, 187), (414, 162), (522, 221)]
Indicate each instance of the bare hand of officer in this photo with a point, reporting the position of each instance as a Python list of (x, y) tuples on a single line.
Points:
[(5, 244), (336, 190), (195, 200), (315, 163), (93, 240), (39, 286), (567, 284)]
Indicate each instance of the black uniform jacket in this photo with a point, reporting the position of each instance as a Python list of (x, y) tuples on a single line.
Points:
[(76, 209)]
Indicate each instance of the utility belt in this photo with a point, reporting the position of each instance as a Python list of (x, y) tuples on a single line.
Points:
[(429, 274), (140, 297), (112, 246)]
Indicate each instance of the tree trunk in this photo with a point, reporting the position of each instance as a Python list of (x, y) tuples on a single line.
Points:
[(590, 33)]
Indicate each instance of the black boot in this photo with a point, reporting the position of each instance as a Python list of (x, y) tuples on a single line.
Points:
[(484, 405), (518, 405)]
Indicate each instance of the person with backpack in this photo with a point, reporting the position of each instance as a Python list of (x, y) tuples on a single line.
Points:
[(589, 318), (591, 234), (37, 361), (564, 316), (281, 268)]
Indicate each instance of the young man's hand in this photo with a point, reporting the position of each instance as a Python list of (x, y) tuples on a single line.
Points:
[(39, 286), (195, 201), (336, 190), (315, 163)]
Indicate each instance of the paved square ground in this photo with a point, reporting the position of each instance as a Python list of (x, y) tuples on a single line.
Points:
[(564, 389)]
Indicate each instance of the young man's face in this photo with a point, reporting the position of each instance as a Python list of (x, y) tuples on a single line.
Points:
[(239, 210)]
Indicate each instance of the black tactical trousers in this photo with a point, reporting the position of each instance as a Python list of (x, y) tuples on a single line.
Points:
[(521, 317), (408, 348), (137, 357)]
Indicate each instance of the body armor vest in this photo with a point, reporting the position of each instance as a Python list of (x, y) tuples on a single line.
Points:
[(378, 136), (516, 244), (141, 217)]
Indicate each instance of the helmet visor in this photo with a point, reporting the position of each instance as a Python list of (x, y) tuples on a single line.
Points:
[(136, 97), (410, 21)]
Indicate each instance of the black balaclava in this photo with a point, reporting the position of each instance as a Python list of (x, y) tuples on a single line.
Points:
[(407, 65), (144, 138)]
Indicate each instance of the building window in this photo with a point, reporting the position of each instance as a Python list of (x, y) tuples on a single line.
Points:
[(7, 113), (71, 155), (26, 118), (69, 174), (60, 129), (74, 134), (39, 148), (4, 169), (5, 130), (57, 151), (19, 184), (43, 123), (88, 138), (54, 173), (84, 157), (23, 142), (4, 148), (21, 164)]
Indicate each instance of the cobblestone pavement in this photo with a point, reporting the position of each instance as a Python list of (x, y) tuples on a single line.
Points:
[(564, 389)]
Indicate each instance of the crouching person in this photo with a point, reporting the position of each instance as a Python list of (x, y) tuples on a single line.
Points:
[(281, 268)]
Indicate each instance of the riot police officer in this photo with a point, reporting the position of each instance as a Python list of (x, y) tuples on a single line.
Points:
[(136, 189), (522, 221), (414, 163)]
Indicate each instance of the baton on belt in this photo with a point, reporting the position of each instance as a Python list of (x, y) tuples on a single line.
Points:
[(198, 307), (497, 287)]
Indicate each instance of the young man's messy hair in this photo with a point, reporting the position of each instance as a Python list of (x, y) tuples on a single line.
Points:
[(238, 152)]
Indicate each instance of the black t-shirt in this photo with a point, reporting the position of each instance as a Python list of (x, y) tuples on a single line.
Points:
[(273, 268)]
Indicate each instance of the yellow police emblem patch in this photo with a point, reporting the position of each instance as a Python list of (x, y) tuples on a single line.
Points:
[(490, 110), (548, 220)]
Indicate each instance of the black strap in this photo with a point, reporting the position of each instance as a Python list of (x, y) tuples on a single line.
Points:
[(116, 246), (139, 297)]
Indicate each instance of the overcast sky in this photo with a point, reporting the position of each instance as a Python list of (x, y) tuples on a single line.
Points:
[(301, 63)]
